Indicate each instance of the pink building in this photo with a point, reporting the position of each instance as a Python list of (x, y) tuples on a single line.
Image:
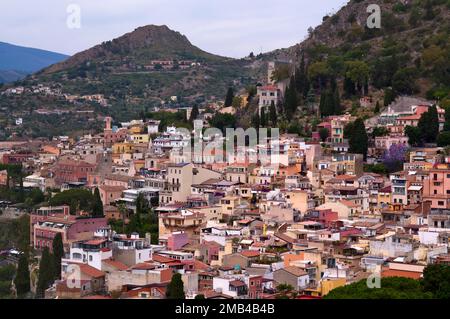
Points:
[(436, 188), (177, 240), (109, 194), (46, 222)]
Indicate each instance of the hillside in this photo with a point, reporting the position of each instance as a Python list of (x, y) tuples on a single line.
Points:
[(410, 52), (152, 62), (16, 62)]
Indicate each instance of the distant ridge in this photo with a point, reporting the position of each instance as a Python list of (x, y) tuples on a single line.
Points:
[(16, 61)]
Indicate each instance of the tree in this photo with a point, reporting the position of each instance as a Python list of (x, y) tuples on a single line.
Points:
[(142, 206), (389, 97), (318, 73), (273, 114), (436, 280), (443, 139), (403, 81), (413, 134), (290, 99), (256, 121), (391, 288), (229, 98), (377, 108), (194, 113), (284, 290), (358, 139), (22, 280), (429, 125), (263, 118), (301, 78), (337, 107), (380, 131), (223, 121), (58, 254), (46, 272), (324, 133), (175, 289), (237, 102), (200, 296), (97, 205), (358, 73), (77, 199), (394, 158)]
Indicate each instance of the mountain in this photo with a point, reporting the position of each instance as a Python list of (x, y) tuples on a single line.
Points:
[(149, 63), (16, 61), (410, 53), (141, 46)]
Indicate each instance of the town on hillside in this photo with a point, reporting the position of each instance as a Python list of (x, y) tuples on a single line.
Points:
[(126, 214), (147, 168)]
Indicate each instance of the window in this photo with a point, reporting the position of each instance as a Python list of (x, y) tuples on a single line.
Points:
[(90, 258), (440, 203)]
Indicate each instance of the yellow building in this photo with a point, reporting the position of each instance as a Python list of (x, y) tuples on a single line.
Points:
[(135, 129), (384, 196), (122, 148), (139, 138)]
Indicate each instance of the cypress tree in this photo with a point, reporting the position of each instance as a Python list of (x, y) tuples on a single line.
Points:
[(175, 289), (377, 108), (58, 254), (429, 125), (273, 114), (358, 140), (337, 107), (229, 98), (256, 121), (45, 276), (349, 87), (194, 113), (291, 99), (301, 78), (97, 206), (22, 280), (262, 120)]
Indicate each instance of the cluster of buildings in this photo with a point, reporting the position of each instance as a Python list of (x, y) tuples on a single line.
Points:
[(55, 91), (313, 220)]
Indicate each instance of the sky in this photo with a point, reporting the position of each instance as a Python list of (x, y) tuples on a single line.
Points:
[(230, 28)]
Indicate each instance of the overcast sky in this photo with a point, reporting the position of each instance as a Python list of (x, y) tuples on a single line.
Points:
[(231, 28)]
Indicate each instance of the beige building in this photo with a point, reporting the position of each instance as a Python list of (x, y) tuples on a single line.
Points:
[(180, 178)]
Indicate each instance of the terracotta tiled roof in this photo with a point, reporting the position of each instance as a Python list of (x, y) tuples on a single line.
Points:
[(91, 271), (144, 266), (162, 259), (295, 271), (116, 264), (250, 253)]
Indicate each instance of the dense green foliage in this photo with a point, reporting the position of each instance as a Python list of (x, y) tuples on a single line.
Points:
[(16, 234), (436, 280), (77, 199), (58, 254), (46, 273), (434, 284), (97, 205), (229, 97), (22, 280), (391, 288), (357, 137), (175, 289), (6, 276)]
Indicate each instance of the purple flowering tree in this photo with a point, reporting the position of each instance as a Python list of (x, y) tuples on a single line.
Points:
[(394, 158)]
